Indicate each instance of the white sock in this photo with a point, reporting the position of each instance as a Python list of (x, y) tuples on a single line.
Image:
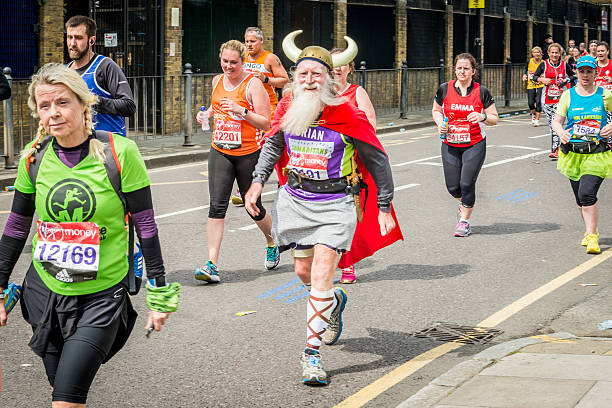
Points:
[(464, 220), (318, 310)]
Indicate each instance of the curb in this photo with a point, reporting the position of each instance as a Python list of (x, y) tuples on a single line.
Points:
[(446, 383)]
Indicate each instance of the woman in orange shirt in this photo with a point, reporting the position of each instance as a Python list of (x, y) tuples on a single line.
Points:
[(241, 112)]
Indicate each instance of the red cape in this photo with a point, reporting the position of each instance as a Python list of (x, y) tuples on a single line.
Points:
[(352, 122)]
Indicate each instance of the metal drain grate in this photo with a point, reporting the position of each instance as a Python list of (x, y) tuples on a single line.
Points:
[(444, 331)]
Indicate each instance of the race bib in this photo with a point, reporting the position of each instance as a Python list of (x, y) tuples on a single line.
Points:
[(228, 133), (458, 132), (310, 158), (69, 251), (586, 129), (553, 91)]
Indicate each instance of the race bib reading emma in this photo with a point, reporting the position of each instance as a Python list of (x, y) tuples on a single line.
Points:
[(458, 132), (228, 133), (69, 251)]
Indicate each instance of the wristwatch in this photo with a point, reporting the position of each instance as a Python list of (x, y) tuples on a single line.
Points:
[(485, 117), (245, 112), (1, 295), (266, 80)]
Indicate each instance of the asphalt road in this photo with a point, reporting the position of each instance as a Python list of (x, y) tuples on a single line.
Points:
[(526, 232)]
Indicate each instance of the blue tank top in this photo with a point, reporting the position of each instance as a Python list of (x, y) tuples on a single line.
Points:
[(102, 121), (586, 115)]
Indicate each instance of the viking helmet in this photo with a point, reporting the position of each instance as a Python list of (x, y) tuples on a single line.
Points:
[(317, 53)]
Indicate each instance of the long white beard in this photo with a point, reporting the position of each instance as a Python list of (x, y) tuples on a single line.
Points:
[(307, 105)]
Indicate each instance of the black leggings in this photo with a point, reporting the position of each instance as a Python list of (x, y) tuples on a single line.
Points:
[(585, 190), (72, 370), (223, 169), (461, 167), (534, 99)]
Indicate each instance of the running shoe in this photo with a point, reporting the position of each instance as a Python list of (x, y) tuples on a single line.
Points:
[(592, 244), (584, 239), (554, 155), (312, 371), (348, 275), (536, 122), (237, 199), (532, 119), (208, 273), (462, 229), (334, 327), (272, 257)]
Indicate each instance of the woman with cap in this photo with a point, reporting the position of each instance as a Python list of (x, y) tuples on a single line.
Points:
[(585, 156), (461, 109), (556, 75)]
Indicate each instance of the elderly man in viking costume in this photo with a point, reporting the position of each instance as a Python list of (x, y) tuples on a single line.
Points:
[(323, 145)]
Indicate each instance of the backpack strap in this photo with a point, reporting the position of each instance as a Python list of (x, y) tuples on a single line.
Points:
[(33, 162), (113, 171)]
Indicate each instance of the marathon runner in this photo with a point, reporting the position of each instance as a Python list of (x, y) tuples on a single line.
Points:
[(265, 66), (104, 78), (585, 156), (358, 97), (534, 89), (461, 109), (75, 292), (556, 75), (593, 48), (316, 135), (241, 110)]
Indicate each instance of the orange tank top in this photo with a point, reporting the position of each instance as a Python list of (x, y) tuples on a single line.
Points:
[(234, 135), (259, 66)]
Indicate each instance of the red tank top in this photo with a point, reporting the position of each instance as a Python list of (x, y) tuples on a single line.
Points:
[(552, 92), (604, 76), (461, 132), (350, 94)]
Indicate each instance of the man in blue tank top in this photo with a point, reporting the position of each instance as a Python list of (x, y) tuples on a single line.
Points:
[(104, 78)]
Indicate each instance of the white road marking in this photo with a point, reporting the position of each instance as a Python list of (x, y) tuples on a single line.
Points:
[(521, 147), (178, 167), (188, 210), (406, 186), (538, 136), (526, 156), (415, 161), (248, 227), (431, 164)]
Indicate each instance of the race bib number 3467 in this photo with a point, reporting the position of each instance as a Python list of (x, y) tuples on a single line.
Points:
[(69, 251)]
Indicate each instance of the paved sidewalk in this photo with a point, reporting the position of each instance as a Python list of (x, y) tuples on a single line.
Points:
[(169, 150), (547, 371)]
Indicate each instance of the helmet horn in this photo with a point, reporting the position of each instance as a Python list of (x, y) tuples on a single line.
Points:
[(345, 56), (291, 50)]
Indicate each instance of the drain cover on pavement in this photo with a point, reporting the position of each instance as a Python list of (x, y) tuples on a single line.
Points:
[(444, 331)]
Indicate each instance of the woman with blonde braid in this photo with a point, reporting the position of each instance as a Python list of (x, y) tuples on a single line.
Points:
[(75, 291)]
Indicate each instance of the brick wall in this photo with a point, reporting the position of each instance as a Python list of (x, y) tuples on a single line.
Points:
[(401, 20), (265, 21), (339, 23), (51, 20), (173, 95)]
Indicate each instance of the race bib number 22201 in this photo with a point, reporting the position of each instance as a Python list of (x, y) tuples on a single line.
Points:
[(69, 251)]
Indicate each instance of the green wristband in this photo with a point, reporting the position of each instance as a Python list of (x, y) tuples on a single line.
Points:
[(164, 299)]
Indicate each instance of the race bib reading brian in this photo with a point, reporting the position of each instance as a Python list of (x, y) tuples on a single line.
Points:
[(69, 251), (310, 157), (458, 132), (228, 133), (586, 129)]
